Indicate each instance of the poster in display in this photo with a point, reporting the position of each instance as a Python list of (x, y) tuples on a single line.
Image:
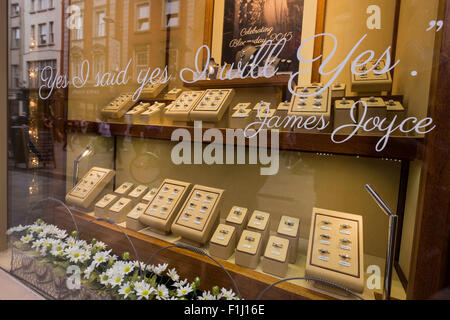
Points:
[(248, 24)]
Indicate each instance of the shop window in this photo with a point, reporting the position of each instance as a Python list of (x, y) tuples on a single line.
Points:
[(143, 17), (42, 4), (100, 24), (33, 43), (142, 60), (51, 4), (15, 10), (51, 35)]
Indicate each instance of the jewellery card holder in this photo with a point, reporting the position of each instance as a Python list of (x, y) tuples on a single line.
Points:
[(132, 221), (369, 81), (275, 259), (240, 119), (180, 109), (164, 206), (260, 222), (120, 209), (238, 218), (376, 107), (151, 91), (305, 106), (132, 115), (103, 205), (289, 228), (173, 94), (90, 187), (118, 107), (335, 249), (395, 108), (213, 105), (153, 114), (223, 242), (149, 196), (249, 249), (124, 189), (242, 106), (338, 90), (342, 114), (199, 215), (138, 193)]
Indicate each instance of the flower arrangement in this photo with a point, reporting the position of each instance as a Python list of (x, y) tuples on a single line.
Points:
[(105, 272)]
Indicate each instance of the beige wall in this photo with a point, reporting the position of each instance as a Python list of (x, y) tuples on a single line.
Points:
[(415, 50), (3, 122)]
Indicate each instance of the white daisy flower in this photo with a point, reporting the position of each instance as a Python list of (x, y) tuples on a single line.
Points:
[(173, 275), (180, 284), (71, 241), (87, 272), (75, 254), (37, 244), (184, 290), (206, 296), (19, 228), (124, 267), (27, 239), (100, 245), (125, 290), (105, 278), (160, 268), (228, 294), (144, 291), (85, 255), (61, 234), (116, 280), (162, 293), (101, 257)]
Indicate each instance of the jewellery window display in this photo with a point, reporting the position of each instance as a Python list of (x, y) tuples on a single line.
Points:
[(252, 223)]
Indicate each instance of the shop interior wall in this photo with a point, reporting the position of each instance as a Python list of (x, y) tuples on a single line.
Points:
[(415, 49)]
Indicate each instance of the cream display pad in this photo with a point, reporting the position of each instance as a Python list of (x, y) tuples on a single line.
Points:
[(151, 91), (124, 189), (223, 242), (275, 259), (260, 222), (238, 218), (289, 228), (120, 209), (181, 108), (249, 248), (369, 80), (213, 105), (199, 215), (90, 187), (103, 205), (133, 216), (335, 250), (119, 106), (164, 205)]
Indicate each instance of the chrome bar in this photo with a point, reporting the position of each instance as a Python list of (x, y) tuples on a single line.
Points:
[(393, 218)]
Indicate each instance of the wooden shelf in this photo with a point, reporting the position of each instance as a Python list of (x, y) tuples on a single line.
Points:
[(276, 81), (403, 148), (188, 264)]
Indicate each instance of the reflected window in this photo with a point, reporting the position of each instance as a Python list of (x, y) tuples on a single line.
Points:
[(15, 9), (42, 34), (143, 17), (172, 13), (42, 4), (101, 24), (142, 60), (51, 35), (15, 38)]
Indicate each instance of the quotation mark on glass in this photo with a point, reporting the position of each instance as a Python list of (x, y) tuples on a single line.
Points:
[(434, 23)]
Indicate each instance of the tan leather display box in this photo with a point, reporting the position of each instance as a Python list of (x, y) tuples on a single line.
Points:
[(132, 115), (335, 249), (165, 205), (153, 114), (151, 91), (199, 215), (376, 107), (310, 102), (338, 90), (124, 189), (90, 187), (238, 218), (173, 94), (138, 193), (119, 210), (275, 259), (260, 222), (223, 242), (289, 228), (119, 106), (181, 108), (103, 205), (133, 216), (249, 249), (342, 115), (368, 78), (213, 105)]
